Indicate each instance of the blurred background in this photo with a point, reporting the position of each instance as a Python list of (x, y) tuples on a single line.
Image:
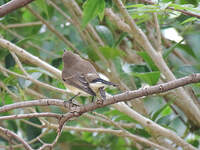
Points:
[(99, 33)]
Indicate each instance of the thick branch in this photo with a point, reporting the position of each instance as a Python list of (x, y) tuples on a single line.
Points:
[(78, 110), (13, 5), (126, 96)]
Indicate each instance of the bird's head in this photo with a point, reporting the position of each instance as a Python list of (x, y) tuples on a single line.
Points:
[(69, 58)]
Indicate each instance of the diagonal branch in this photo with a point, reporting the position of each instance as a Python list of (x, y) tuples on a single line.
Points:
[(12, 6), (192, 112), (187, 13), (9, 133)]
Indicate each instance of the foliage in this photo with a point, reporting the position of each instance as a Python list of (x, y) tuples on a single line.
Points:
[(120, 50)]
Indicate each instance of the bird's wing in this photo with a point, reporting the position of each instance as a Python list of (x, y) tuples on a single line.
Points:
[(103, 81), (91, 75), (78, 81), (87, 70)]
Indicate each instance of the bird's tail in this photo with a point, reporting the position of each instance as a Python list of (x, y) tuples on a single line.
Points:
[(103, 81)]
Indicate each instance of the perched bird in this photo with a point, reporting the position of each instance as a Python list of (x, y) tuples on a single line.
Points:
[(81, 78)]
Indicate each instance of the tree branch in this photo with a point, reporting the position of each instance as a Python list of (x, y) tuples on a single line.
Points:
[(182, 11), (52, 29), (9, 133), (183, 98), (29, 57), (13, 5), (126, 96), (32, 115)]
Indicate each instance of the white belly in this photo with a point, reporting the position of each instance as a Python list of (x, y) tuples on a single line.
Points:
[(94, 86), (76, 90)]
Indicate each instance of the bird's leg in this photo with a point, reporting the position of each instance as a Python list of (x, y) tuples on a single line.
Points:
[(93, 99), (102, 92), (70, 100), (103, 95)]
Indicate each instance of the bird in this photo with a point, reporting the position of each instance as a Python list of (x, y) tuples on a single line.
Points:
[(81, 77)]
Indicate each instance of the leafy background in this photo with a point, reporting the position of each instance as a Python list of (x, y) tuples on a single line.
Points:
[(128, 65)]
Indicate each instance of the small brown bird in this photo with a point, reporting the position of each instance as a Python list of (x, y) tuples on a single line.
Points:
[(81, 78)]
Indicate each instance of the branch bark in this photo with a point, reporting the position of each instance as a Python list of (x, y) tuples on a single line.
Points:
[(12, 6), (126, 96), (11, 134)]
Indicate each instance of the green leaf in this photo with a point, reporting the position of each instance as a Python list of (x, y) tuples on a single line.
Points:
[(178, 126), (151, 77), (111, 53), (28, 16), (11, 125), (23, 41), (32, 131), (159, 111), (142, 132), (42, 6), (171, 49), (191, 19), (166, 111), (26, 83), (9, 61), (187, 49), (91, 9), (135, 5), (8, 99), (193, 40), (148, 60), (186, 70), (166, 120), (122, 36), (37, 69), (163, 6), (105, 34), (139, 68)]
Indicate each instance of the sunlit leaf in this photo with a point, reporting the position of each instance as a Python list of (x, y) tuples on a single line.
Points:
[(91, 9), (111, 53), (105, 34), (148, 60), (165, 107), (150, 77)]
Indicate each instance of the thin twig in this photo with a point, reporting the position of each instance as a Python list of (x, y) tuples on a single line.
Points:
[(182, 11), (29, 43), (52, 29), (32, 115), (158, 33), (20, 25), (37, 82)]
